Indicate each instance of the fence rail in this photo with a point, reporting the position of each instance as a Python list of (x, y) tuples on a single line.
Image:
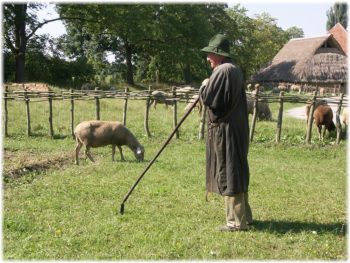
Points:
[(173, 95)]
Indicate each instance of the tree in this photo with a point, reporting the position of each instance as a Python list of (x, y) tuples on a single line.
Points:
[(337, 14)]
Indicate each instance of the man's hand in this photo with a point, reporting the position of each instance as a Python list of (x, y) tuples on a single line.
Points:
[(205, 82)]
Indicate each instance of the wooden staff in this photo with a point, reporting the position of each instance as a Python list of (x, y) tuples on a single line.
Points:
[(156, 156)]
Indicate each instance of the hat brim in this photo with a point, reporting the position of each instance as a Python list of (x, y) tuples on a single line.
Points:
[(211, 50)]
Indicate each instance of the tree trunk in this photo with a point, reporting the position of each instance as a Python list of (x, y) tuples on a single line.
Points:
[(20, 68), (130, 78), (20, 42)]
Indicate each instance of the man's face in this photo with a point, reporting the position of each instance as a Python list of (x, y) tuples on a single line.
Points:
[(214, 59)]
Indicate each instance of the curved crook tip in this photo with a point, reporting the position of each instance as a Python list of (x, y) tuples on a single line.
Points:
[(121, 210)]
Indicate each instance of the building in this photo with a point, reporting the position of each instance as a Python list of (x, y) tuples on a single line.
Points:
[(341, 35), (317, 61)]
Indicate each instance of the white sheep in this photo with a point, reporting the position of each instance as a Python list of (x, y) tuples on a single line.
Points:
[(84, 87), (346, 118), (263, 109), (100, 133), (249, 87), (282, 88), (322, 92), (161, 97), (113, 88), (295, 88)]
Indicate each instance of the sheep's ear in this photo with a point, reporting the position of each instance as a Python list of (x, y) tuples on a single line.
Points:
[(138, 150)]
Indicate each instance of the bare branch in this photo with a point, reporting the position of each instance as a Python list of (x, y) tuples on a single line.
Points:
[(56, 19)]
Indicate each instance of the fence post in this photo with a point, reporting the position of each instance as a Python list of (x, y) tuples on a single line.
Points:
[(97, 105), (337, 118), (255, 111), (27, 112), (6, 112), (50, 115), (311, 118), (202, 123), (175, 113), (72, 113), (125, 106), (280, 114), (147, 111)]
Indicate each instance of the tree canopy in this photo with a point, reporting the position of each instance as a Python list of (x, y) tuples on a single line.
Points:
[(151, 42), (337, 14)]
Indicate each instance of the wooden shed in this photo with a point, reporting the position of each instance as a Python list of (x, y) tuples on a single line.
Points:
[(317, 61)]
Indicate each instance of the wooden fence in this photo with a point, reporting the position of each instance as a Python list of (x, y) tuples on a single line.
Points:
[(173, 95)]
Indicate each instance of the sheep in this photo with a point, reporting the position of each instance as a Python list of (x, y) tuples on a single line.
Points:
[(295, 88), (324, 117), (275, 90), (100, 133), (160, 97), (345, 118), (263, 109), (84, 87), (113, 88), (308, 106), (249, 87), (322, 92), (283, 88), (185, 92)]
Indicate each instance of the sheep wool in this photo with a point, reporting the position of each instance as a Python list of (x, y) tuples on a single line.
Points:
[(94, 134)]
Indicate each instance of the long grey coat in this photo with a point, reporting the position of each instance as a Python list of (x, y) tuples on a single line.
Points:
[(227, 149)]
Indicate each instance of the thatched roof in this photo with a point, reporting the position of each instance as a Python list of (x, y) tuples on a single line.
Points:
[(315, 59)]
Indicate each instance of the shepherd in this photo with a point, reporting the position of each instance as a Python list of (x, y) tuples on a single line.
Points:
[(227, 169)]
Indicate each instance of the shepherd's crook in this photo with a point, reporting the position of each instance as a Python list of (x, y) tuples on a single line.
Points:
[(158, 153)]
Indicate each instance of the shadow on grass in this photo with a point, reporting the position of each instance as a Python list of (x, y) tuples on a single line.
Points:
[(283, 227)]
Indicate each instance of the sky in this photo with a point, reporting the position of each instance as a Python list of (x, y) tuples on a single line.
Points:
[(307, 15)]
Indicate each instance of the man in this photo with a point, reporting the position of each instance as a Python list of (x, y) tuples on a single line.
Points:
[(227, 170)]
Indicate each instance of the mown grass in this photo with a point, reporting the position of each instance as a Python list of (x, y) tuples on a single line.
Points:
[(55, 210)]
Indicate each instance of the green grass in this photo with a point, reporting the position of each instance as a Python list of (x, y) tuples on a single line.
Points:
[(55, 210)]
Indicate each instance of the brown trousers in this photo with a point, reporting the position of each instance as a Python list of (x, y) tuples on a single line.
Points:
[(238, 212)]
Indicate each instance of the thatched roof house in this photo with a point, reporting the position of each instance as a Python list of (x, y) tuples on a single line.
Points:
[(317, 61)]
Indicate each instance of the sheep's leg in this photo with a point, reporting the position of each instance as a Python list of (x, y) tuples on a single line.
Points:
[(155, 103), (319, 131), (87, 153), (121, 153), (324, 131), (113, 151), (77, 150)]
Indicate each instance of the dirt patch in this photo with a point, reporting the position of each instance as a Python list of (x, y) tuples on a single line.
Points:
[(17, 164)]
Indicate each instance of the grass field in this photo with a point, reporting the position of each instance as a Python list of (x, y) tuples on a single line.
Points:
[(55, 210)]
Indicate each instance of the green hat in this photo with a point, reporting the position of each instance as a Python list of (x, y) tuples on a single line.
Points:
[(220, 45)]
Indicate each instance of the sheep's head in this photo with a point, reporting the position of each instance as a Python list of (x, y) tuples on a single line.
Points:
[(139, 153), (331, 126)]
